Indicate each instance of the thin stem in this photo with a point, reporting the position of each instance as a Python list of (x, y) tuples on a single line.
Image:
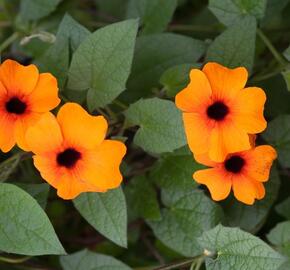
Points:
[(152, 250), (192, 28), (120, 104), (280, 59), (14, 260), (177, 265), (8, 41)]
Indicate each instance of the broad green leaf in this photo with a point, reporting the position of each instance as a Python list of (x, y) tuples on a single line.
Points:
[(174, 171), (106, 212), (187, 215), (156, 53), (161, 128), (273, 7), (236, 249), (154, 15), (235, 46), (88, 260), (231, 11), (102, 63), (283, 208), (37, 9), (142, 199), (57, 58), (38, 191), (8, 166), (251, 218), (279, 236), (176, 78), (278, 134), (24, 226)]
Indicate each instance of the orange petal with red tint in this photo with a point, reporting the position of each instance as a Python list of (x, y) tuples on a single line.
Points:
[(7, 130), (218, 183), (79, 128), (18, 78), (245, 189), (248, 110), (205, 160), (101, 166), (259, 162), (45, 136), (260, 190), (197, 130), (45, 95), (225, 83), (196, 95)]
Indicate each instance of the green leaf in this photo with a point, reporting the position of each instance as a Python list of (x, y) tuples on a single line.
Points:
[(154, 15), (176, 78), (280, 137), (174, 171), (287, 53), (283, 208), (8, 166), (161, 129), (37, 9), (38, 191), (286, 76), (57, 58), (235, 46), (230, 11), (142, 199), (106, 212), (102, 63), (236, 249), (88, 260), (251, 218), (24, 226), (279, 236), (187, 216), (156, 53)]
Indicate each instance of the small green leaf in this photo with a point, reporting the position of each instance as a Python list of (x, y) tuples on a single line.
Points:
[(142, 199), (161, 129), (235, 46), (156, 53), (154, 15), (88, 260), (102, 63), (106, 212), (279, 236), (37, 9), (251, 218), (176, 78), (8, 166), (57, 58), (38, 191), (283, 208), (280, 137), (187, 216), (230, 11), (236, 249), (24, 226)]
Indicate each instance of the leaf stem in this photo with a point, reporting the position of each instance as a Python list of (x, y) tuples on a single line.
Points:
[(280, 59), (120, 104), (8, 41), (180, 264), (14, 260)]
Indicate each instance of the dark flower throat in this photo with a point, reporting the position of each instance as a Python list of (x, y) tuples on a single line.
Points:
[(68, 158), (217, 111), (16, 106), (234, 164)]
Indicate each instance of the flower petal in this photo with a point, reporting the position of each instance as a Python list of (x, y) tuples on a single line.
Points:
[(7, 132), (45, 136), (259, 162), (197, 130), (79, 128), (245, 189), (18, 78), (205, 160), (260, 190), (225, 83), (101, 166), (218, 183), (45, 95), (196, 94)]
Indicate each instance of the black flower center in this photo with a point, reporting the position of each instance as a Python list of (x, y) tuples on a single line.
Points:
[(217, 111), (15, 105), (68, 158), (234, 164)]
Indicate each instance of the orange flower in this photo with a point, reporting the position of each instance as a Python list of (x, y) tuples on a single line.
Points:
[(244, 171), (72, 154), (24, 96), (218, 112)]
